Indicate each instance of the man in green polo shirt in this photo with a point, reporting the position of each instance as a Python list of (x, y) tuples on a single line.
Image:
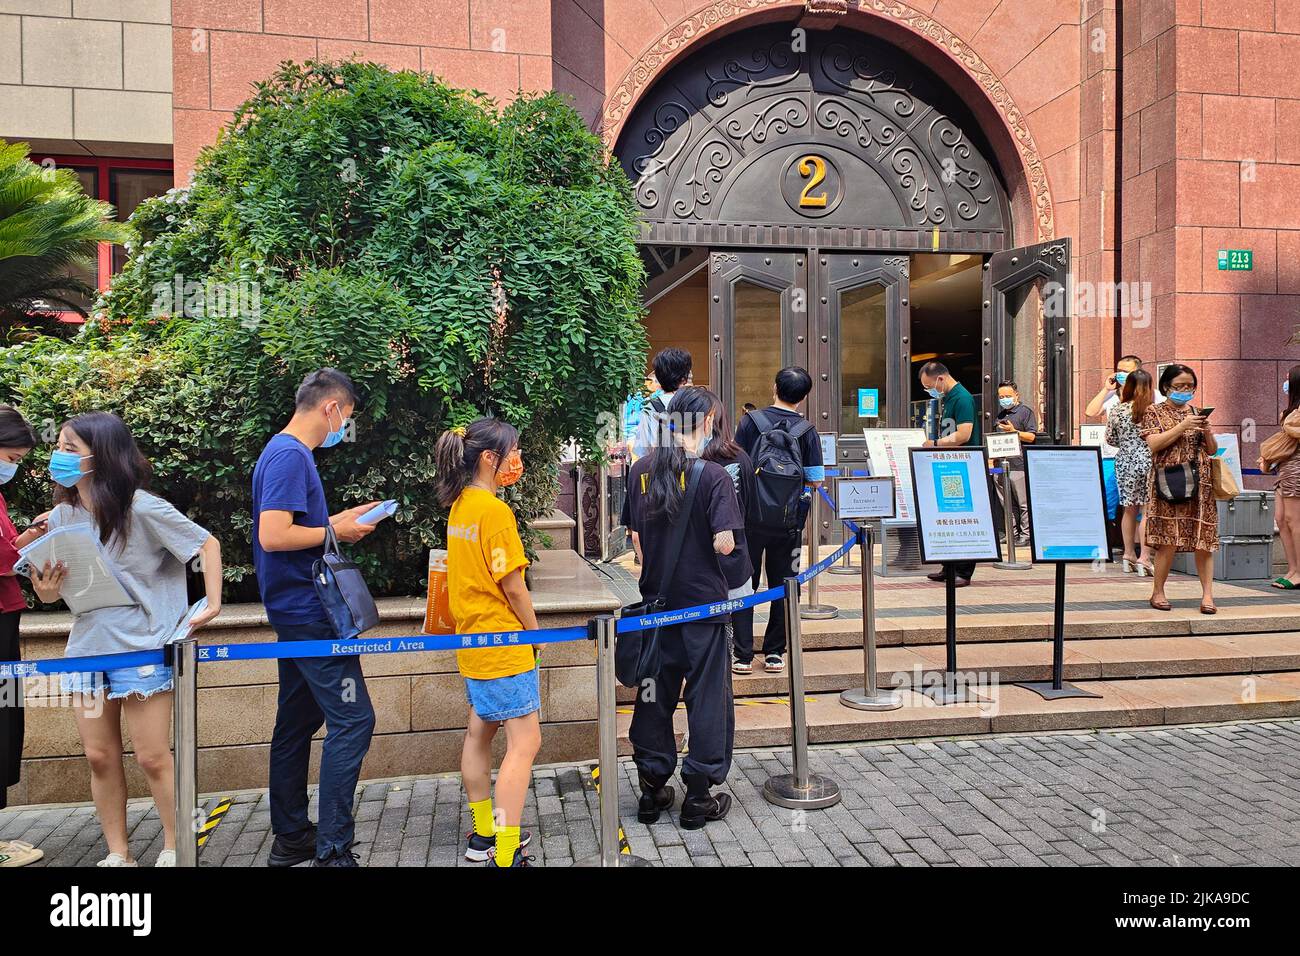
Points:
[(960, 425)]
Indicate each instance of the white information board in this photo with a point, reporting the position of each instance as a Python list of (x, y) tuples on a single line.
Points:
[(1067, 503), (1230, 451), (954, 509), (1095, 436), (866, 497), (1003, 445), (887, 448)]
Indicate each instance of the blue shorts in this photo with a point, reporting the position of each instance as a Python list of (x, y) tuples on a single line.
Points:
[(144, 682), (504, 698)]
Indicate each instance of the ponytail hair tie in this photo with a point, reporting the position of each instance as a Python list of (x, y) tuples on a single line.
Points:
[(459, 430)]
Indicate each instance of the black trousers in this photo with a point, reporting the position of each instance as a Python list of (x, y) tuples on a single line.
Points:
[(777, 554), (11, 711), (964, 569), (696, 653)]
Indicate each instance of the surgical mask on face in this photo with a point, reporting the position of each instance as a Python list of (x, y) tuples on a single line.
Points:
[(934, 392), (1007, 402), (1120, 378), (65, 467), (1286, 387), (7, 471), (1180, 398), (510, 470), (334, 437)]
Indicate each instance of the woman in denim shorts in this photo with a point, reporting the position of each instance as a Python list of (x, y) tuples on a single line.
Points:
[(488, 598), (101, 477)]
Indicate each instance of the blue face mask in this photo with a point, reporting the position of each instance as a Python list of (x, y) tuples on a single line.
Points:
[(1007, 402), (935, 393), (1120, 378), (7, 471), (334, 437), (1180, 398), (65, 468)]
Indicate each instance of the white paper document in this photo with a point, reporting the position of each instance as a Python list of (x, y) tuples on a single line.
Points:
[(90, 583)]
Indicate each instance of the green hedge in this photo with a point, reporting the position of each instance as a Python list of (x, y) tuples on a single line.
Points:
[(455, 260)]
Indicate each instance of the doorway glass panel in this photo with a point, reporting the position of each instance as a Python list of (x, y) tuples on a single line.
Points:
[(757, 343), (863, 356), (1024, 361)]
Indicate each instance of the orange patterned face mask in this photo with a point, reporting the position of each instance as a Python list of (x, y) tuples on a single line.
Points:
[(510, 470)]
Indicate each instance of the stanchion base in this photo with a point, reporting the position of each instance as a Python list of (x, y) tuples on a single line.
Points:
[(858, 699), (1012, 565), (958, 695), (845, 569), (821, 792), (1045, 690), (624, 859), (818, 612)]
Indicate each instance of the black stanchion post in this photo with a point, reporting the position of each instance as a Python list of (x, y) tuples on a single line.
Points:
[(949, 692), (607, 734), (801, 789), (1056, 688)]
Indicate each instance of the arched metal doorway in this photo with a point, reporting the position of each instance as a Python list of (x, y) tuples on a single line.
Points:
[(829, 198)]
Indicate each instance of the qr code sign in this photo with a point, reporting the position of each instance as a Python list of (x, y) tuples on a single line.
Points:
[(951, 486)]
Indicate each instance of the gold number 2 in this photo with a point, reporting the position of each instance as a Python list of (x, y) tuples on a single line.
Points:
[(813, 166)]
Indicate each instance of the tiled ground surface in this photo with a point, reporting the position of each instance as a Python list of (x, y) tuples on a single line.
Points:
[(1227, 794)]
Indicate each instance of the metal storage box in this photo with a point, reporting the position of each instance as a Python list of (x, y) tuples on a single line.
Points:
[(1250, 514), (1240, 558)]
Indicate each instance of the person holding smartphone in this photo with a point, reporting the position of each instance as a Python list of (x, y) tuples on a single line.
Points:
[(16, 440), (1179, 434), (289, 519)]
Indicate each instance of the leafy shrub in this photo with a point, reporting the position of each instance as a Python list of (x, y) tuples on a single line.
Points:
[(454, 260)]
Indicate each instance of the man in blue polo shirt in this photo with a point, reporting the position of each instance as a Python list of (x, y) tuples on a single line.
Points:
[(289, 519)]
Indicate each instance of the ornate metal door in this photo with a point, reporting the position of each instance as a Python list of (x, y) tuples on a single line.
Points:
[(758, 322), (1026, 332)]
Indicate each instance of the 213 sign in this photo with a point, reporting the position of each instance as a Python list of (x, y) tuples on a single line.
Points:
[(811, 185)]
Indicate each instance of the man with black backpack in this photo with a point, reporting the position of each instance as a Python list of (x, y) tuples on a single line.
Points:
[(787, 456), (672, 371)]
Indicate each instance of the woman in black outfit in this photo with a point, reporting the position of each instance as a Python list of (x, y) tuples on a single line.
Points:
[(16, 440), (697, 653)]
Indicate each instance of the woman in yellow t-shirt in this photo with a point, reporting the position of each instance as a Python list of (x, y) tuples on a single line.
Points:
[(488, 598)]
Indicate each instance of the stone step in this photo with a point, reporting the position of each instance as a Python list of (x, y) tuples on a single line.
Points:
[(1097, 659), (1008, 708), (979, 626)]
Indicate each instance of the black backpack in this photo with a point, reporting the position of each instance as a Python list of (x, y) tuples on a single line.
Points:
[(778, 473)]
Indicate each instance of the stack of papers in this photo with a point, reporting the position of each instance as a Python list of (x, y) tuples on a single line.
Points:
[(90, 583)]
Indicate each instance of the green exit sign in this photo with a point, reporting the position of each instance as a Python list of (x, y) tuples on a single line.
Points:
[(1236, 260)]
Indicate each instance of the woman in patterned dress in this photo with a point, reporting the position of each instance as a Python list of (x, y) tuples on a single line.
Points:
[(1286, 495), (1132, 464), (1177, 435)]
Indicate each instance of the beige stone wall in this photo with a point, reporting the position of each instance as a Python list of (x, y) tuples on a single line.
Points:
[(87, 77)]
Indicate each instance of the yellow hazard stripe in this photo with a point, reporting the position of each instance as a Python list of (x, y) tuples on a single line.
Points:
[(214, 818), (739, 703), (623, 845)]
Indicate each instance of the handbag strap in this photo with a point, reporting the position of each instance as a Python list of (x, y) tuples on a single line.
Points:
[(331, 539), (679, 529)]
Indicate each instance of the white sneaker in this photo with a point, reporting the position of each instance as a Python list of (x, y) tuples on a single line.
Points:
[(166, 858), (116, 859)]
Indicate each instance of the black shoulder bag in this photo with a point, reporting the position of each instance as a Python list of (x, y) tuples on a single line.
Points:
[(636, 653)]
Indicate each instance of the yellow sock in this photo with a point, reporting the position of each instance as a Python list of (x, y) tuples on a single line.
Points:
[(481, 810), (507, 843)]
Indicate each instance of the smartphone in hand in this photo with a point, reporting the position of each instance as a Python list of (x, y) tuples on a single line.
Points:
[(385, 509)]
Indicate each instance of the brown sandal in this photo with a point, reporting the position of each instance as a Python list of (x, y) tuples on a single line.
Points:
[(1166, 606), (1209, 609)]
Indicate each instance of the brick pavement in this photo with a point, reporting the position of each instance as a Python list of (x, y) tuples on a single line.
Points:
[(1222, 794)]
